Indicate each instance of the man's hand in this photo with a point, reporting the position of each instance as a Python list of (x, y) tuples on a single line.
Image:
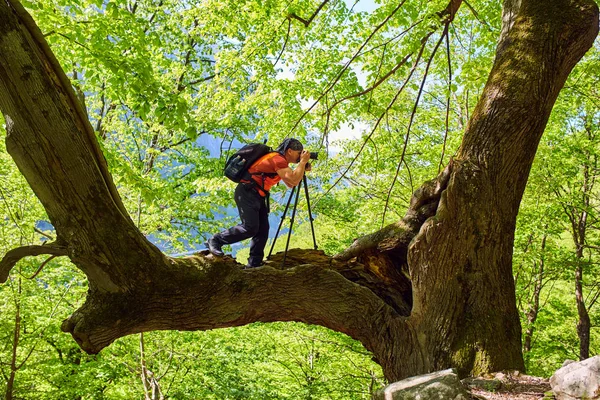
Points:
[(308, 167), (304, 156)]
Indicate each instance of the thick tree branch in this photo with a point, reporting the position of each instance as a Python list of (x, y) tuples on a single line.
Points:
[(204, 292), (13, 256), (69, 97)]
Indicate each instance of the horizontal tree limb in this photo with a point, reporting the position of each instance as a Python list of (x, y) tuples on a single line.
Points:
[(205, 292)]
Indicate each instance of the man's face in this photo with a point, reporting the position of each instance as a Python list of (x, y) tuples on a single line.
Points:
[(292, 156)]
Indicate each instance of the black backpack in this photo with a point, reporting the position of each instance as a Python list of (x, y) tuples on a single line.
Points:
[(236, 167)]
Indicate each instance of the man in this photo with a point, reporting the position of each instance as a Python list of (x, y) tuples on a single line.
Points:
[(251, 198)]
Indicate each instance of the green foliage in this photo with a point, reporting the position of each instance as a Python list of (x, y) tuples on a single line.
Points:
[(170, 86)]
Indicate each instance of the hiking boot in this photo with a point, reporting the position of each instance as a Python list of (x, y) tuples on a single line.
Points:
[(250, 266), (214, 246)]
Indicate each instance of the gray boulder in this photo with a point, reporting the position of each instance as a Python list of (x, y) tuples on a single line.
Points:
[(441, 385), (577, 380)]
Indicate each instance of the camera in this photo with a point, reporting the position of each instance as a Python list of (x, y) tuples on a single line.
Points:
[(313, 156)]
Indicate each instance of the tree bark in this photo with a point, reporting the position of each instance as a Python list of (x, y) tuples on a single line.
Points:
[(583, 322), (433, 294), (534, 303), (578, 217)]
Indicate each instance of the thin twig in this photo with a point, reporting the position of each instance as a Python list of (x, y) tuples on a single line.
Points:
[(41, 267), (476, 15), (10, 213), (42, 233), (207, 78), (379, 82), (287, 37), (398, 36), (376, 123), (41, 334), (377, 76), (347, 65), (74, 41)]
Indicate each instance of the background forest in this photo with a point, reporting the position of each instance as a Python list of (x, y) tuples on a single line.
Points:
[(171, 87)]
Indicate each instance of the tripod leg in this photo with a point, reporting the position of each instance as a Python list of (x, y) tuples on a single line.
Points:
[(281, 222), (287, 245), (310, 217)]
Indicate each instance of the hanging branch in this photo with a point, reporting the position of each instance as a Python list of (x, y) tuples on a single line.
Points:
[(414, 67), (412, 117), (304, 21), (347, 65), (376, 162), (447, 100), (377, 75), (447, 16), (287, 37), (327, 119), (41, 267)]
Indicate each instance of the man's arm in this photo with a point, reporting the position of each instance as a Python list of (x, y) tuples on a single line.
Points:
[(293, 177)]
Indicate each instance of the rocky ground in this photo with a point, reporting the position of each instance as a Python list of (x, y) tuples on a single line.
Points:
[(509, 386)]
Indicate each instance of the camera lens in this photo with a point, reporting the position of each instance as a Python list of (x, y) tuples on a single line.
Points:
[(314, 155)]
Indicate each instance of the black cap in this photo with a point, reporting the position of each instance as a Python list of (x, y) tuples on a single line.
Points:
[(289, 143)]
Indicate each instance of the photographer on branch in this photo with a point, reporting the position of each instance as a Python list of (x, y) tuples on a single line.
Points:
[(252, 198)]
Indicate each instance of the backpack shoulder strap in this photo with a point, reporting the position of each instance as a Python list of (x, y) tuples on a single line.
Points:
[(262, 159)]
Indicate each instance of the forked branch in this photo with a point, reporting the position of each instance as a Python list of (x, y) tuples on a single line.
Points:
[(307, 22), (12, 257)]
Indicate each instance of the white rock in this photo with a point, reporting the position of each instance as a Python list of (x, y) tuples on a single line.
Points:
[(441, 385), (577, 380)]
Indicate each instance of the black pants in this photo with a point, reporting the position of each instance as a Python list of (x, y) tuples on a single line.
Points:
[(255, 223)]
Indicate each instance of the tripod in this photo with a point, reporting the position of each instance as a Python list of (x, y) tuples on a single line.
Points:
[(287, 206)]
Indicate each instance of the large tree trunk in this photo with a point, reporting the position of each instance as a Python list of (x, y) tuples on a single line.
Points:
[(455, 242), (464, 309)]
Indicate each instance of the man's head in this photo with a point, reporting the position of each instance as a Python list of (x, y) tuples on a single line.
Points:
[(291, 149)]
